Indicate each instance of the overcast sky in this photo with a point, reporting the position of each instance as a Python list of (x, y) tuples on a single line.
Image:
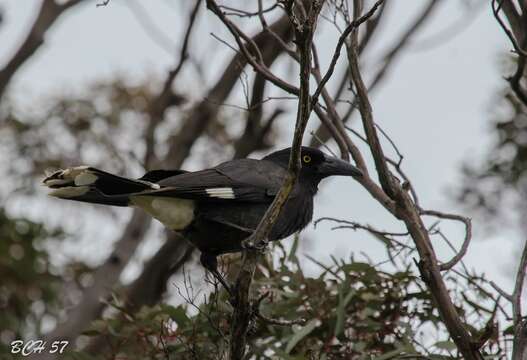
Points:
[(437, 102)]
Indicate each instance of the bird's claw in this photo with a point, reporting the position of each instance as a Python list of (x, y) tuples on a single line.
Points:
[(249, 244)]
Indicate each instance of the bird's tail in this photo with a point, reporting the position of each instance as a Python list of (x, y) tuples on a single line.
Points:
[(87, 184)]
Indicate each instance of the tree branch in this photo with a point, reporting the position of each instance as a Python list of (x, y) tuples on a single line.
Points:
[(385, 178), (253, 55), (516, 36), (408, 212), (243, 310), (49, 12), (388, 59), (520, 325), (157, 108), (203, 113), (468, 235), (342, 39)]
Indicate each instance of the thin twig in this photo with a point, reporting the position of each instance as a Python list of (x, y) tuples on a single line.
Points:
[(242, 13), (496, 8), (255, 61), (466, 242), (501, 291), (342, 40), (102, 3)]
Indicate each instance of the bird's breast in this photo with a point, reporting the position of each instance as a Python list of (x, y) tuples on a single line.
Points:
[(176, 214)]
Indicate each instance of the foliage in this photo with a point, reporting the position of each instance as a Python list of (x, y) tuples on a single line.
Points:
[(352, 310), (29, 286)]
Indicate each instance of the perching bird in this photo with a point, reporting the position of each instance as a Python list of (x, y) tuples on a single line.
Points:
[(217, 208)]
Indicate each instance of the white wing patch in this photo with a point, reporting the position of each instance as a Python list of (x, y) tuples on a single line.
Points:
[(148, 183), (221, 193)]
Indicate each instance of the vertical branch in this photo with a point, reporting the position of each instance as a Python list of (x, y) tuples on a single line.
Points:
[(520, 337), (365, 109), (514, 26), (407, 211), (304, 30), (517, 35)]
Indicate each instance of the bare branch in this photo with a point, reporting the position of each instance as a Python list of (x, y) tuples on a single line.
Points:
[(48, 13), (253, 56), (385, 178), (342, 39), (501, 291), (167, 97), (496, 7), (520, 325), (466, 242), (388, 59), (205, 111), (242, 13), (304, 37), (408, 212), (102, 3)]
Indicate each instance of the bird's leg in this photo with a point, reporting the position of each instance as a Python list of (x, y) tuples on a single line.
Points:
[(210, 263)]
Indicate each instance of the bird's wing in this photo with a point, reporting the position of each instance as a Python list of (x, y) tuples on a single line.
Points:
[(243, 180)]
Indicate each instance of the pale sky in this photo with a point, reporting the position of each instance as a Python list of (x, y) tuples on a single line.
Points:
[(437, 104)]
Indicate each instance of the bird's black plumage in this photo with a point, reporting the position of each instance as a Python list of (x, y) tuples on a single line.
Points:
[(215, 208)]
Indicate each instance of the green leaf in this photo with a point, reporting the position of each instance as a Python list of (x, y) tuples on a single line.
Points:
[(509, 330), (391, 354), (97, 327), (341, 310), (178, 314), (292, 252), (91, 332), (446, 345), (300, 334), (358, 267)]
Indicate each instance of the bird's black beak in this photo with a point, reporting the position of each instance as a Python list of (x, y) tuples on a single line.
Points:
[(335, 166)]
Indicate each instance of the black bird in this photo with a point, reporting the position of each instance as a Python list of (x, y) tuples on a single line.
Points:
[(216, 208)]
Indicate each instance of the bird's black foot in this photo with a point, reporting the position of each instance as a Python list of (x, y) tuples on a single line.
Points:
[(249, 244), (210, 263)]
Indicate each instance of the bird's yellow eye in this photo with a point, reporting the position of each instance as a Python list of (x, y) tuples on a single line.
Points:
[(306, 158)]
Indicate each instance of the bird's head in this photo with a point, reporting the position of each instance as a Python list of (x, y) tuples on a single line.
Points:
[(315, 164)]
